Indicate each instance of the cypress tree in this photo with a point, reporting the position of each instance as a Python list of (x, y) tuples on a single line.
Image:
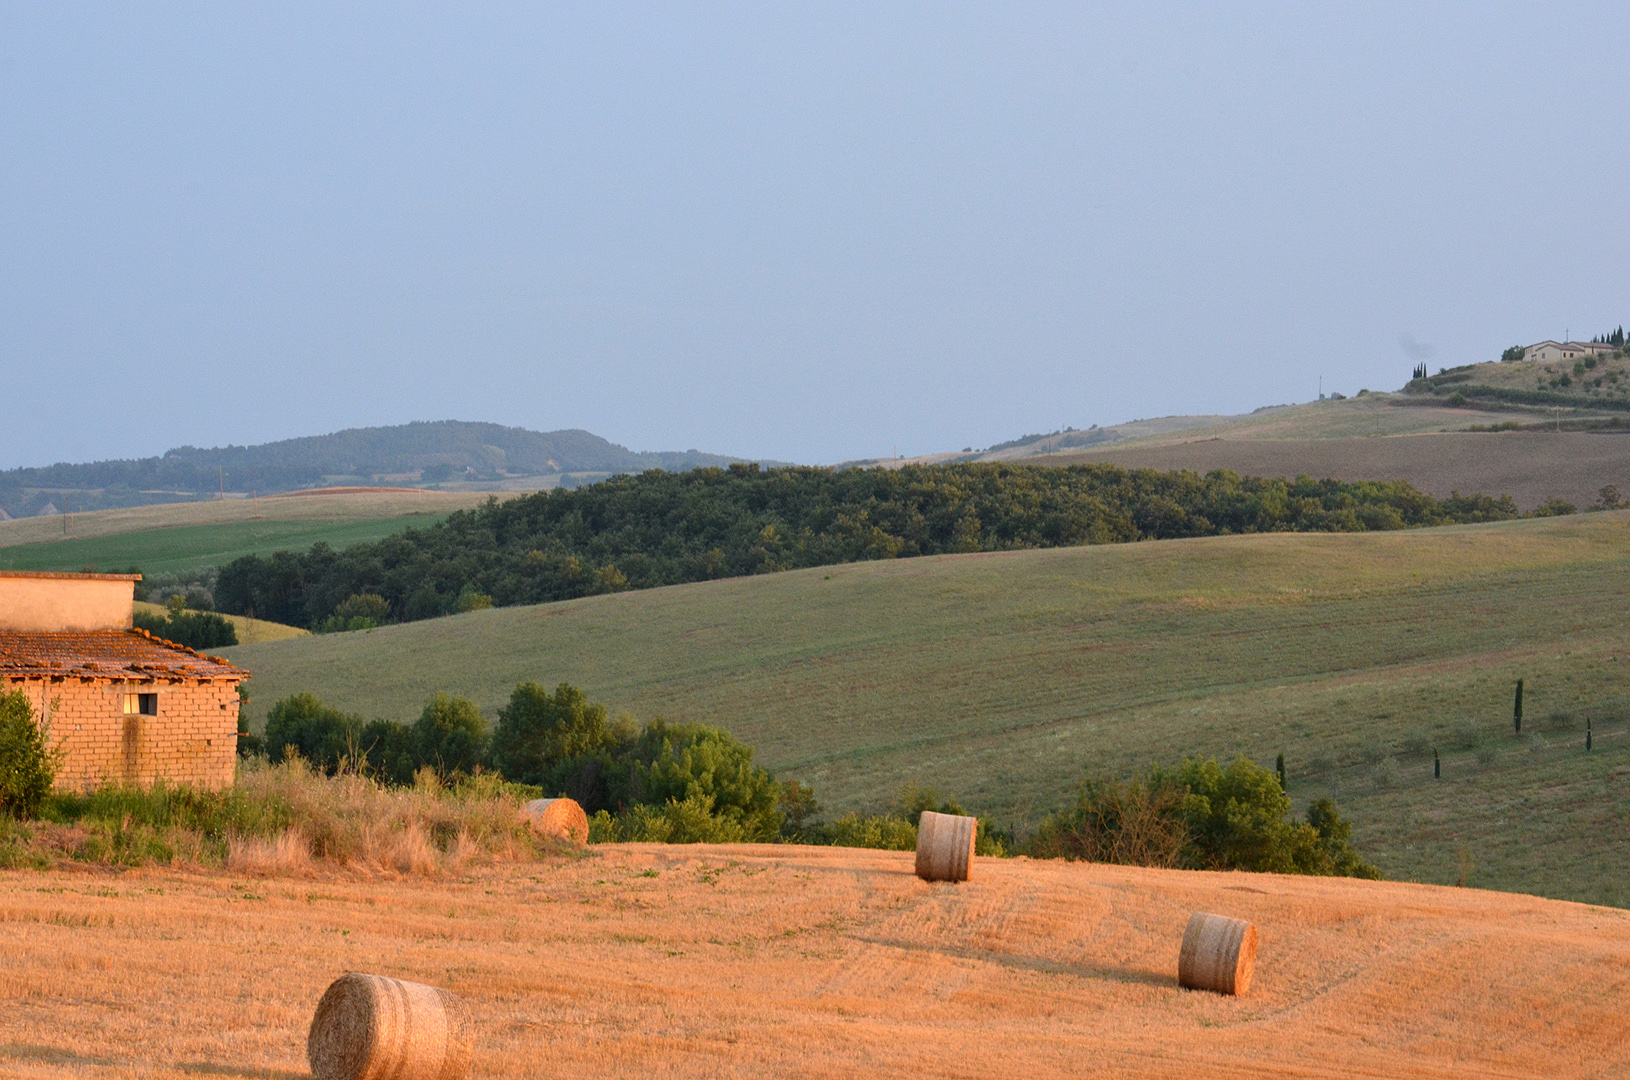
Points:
[(1587, 734), (1279, 767), (1437, 766), (1516, 711)]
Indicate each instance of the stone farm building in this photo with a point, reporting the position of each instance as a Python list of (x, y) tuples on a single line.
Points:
[(1549, 351), (121, 704)]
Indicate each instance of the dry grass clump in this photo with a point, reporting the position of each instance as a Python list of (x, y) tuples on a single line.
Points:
[(352, 822), (284, 820)]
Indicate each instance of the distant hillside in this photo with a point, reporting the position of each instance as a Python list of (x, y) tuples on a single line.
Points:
[(446, 453), (1597, 383)]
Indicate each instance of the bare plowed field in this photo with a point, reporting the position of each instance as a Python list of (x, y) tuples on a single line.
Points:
[(1529, 466), (814, 962)]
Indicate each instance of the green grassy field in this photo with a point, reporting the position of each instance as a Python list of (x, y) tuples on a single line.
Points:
[(1004, 678), (190, 546)]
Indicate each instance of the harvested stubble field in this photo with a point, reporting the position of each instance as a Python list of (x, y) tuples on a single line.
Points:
[(1530, 466), (813, 962), (1004, 679)]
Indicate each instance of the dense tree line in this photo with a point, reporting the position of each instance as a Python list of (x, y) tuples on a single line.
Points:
[(663, 528), (693, 783)]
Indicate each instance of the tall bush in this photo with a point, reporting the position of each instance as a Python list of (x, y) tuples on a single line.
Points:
[(28, 764), (1201, 816), (450, 735), (679, 763), (563, 743)]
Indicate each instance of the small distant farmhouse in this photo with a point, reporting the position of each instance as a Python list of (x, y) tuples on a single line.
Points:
[(121, 704), (1551, 351)]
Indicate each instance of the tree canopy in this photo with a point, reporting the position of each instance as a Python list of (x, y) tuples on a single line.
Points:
[(663, 528)]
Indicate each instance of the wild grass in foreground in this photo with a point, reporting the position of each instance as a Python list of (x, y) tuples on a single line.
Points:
[(281, 819)]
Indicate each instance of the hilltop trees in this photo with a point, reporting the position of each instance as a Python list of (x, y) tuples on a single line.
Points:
[(659, 528)]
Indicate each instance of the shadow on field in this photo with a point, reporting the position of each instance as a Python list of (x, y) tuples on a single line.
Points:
[(1030, 963), (53, 1055), (209, 1068)]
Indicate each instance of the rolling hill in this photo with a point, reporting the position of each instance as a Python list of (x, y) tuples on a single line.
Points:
[(1425, 436), (747, 961), (452, 453), (1004, 678), (184, 536)]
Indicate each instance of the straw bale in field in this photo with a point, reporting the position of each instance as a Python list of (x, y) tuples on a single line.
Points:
[(560, 818), (945, 846), (1218, 954), (369, 1027)]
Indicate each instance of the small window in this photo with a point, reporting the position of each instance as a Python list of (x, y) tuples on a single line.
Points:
[(141, 704)]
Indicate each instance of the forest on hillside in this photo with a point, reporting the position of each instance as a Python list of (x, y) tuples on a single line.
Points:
[(665, 528), (426, 451)]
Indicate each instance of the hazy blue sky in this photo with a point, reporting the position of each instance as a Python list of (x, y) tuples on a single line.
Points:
[(808, 232)]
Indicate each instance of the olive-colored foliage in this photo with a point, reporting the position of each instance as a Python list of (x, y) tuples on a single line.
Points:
[(28, 765), (1236, 819), (692, 820), (889, 832), (1202, 816), (915, 798), (661, 528), (321, 735), (1137, 822), (194, 629), (800, 811), (537, 731), (364, 612), (684, 782), (687, 764), (450, 736), (565, 744)]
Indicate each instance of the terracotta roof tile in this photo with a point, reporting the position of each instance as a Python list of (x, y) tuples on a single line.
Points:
[(108, 654)]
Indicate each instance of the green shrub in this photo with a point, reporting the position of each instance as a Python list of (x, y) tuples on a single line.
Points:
[(1561, 720), (450, 736), (1137, 822), (889, 832), (692, 820), (195, 629), (539, 732), (1201, 816), (357, 612), (682, 763), (915, 798), (1554, 507), (799, 812), (321, 735), (1334, 848), (28, 764)]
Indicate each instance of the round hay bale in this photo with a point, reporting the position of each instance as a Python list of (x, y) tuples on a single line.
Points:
[(560, 818), (945, 846), (369, 1027), (1218, 954)]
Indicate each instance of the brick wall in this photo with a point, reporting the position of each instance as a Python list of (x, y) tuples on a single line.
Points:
[(193, 740)]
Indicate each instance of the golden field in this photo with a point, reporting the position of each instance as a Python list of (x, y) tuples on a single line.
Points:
[(755, 961), (250, 631)]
